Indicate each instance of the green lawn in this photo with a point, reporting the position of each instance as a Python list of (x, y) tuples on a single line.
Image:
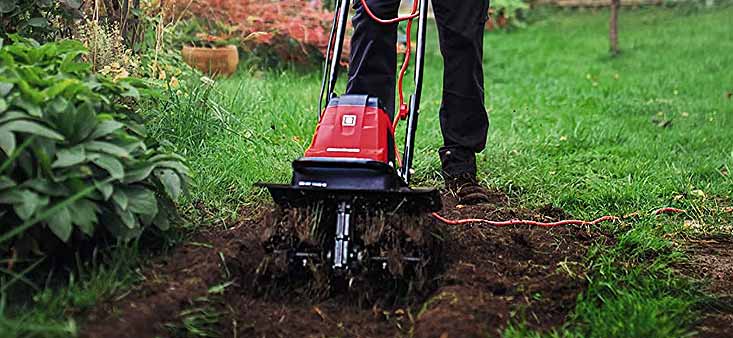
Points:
[(570, 126)]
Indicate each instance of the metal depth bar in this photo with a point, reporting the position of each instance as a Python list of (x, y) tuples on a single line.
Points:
[(327, 61), (414, 111), (343, 236), (340, 33)]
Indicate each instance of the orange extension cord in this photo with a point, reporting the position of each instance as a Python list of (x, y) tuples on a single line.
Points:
[(408, 50), (544, 224), (403, 114)]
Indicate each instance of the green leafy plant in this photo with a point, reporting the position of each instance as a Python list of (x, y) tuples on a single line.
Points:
[(510, 10), (73, 163), (38, 19), (156, 57), (205, 33), (107, 52)]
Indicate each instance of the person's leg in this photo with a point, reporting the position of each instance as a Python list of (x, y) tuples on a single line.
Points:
[(373, 60), (463, 118)]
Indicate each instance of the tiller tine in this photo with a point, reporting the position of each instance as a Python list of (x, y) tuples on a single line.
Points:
[(348, 232)]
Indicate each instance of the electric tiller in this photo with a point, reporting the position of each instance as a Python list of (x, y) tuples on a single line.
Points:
[(349, 207)]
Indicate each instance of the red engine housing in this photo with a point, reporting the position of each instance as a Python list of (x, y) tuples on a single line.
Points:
[(354, 126)]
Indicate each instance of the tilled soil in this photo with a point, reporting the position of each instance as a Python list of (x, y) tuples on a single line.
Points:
[(491, 278), (711, 260)]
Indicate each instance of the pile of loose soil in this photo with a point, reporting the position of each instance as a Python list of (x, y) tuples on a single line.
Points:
[(711, 260), (491, 277)]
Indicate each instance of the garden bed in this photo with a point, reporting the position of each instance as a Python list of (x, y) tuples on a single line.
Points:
[(493, 277), (711, 261)]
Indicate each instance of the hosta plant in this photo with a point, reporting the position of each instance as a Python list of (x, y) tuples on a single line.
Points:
[(73, 164)]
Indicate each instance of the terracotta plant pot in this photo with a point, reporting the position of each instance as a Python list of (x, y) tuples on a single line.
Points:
[(496, 21), (502, 21), (213, 61)]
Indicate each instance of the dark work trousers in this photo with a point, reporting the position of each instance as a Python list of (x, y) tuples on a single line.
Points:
[(463, 118)]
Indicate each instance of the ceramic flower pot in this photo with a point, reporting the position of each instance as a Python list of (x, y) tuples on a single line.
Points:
[(213, 61)]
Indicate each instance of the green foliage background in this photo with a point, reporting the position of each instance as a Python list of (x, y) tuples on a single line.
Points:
[(73, 159)]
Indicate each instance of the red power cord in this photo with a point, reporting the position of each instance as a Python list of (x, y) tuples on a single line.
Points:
[(402, 114), (521, 222), (412, 15), (544, 224)]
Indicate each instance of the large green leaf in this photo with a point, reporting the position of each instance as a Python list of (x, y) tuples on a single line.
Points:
[(69, 157), (76, 123), (25, 202), (38, 22), (130, 91), (105, 188), (71, 65), (171, 182), (5, 87), (85, 122), (47, 187), (127, 218), (175, 165), (111, 165), (13, 115), (107, 148), (60, 224), (139, 174), (85, 215), (114, 225), (105, 128), (30, 127), (161, 220), (141, 200), (32, 108), (7, 141), (6, 182), (3, 105), (147, 220), (7, 6), (59, 105), (59, 87), (120, 199)]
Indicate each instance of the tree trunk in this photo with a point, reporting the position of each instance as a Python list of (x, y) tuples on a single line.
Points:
[(613, 27)]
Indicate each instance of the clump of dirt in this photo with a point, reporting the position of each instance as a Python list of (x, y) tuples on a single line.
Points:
[(711, 259), (498, 275), (171, 284), (490, 277)]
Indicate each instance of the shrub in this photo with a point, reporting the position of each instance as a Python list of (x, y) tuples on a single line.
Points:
[(39, 19), (274, 31), (73, 163), (107, 53), (160, 62), (510, 12)]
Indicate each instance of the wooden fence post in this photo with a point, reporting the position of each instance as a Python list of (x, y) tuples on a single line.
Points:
[(613, 27)]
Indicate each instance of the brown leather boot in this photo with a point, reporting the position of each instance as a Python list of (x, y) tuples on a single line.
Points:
[(467, 189), (459, 171)]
